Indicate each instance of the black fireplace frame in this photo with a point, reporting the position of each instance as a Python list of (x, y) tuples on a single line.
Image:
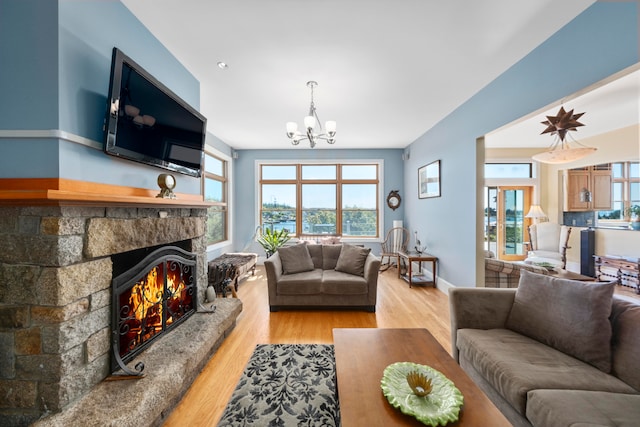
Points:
[(171, 257)]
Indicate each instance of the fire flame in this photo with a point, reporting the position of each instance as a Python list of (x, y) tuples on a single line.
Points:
[(145, 305)]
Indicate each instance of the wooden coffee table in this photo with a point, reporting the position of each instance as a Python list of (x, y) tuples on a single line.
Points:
[(363, 354), (566, 274)]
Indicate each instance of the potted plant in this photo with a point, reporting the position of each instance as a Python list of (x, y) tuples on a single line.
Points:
[(271, 240), (634, 214)]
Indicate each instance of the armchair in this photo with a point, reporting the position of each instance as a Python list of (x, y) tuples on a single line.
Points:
[(548, 244)]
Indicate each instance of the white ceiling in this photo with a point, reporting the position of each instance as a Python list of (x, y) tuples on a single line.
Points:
[(387, 70), (611, 104)]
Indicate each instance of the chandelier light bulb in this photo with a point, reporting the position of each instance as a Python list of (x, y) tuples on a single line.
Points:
[(292, 128), (330, 127), (309, 122)]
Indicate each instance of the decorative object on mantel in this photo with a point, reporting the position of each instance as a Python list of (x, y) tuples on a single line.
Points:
[(441, 405), (309, 124), (167, 183), (536, 212), (560, 151), (394, 199)]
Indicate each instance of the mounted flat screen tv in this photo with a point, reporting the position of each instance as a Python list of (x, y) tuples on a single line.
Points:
[(146, 122)]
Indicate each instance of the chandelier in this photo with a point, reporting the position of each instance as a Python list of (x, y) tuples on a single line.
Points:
[(310, 122), (560, 151)]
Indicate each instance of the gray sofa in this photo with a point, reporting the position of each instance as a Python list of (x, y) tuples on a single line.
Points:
[(552, 352), (308, 275)]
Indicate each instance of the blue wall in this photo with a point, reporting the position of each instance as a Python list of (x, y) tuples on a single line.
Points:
[(56, 59), (245, 180), (597, 43)]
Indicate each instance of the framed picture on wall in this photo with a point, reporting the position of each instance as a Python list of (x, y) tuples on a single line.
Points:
[(429, 180)]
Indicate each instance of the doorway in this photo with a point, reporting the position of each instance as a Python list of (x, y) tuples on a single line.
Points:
[(505, 221)]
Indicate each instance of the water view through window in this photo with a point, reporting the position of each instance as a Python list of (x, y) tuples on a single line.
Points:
[(320, 199)]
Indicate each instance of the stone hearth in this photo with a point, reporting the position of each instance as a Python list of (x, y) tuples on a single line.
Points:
[(171, 365), (55, 295)]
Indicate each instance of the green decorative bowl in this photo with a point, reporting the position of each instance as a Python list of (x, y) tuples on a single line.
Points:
[(439, 407)]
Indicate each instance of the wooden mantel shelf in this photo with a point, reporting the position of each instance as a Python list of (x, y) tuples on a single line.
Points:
[(58, 191)]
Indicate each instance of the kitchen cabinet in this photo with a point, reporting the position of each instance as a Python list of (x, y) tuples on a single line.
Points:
[(588, 188)]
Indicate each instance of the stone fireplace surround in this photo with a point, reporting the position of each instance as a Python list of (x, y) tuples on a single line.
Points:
[(55, 296)]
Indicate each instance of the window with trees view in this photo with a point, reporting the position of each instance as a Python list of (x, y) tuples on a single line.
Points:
[(625, 192), (313, 199), (216, 192)]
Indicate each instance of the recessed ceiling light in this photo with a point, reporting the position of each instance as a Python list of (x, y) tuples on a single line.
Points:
[(222, 65)]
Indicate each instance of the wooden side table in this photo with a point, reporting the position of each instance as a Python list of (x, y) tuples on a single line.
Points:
[(408, 258)]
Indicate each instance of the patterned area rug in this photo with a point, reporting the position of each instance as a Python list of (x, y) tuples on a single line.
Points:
[(286, 385)]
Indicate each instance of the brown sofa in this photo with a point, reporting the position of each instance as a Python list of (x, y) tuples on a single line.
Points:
[(552, 352), (312, 276)]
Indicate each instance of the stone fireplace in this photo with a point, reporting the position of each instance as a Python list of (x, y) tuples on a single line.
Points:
[(56, 271), (149, 300)]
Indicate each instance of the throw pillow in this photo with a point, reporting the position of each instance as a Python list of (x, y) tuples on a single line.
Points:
[(295, 259), (568, 315), (352, 259)]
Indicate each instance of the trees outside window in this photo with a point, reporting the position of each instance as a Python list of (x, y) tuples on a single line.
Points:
[(216, 191), (316, 199)]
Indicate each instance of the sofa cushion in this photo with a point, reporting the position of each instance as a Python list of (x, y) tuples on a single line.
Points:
[(515, 364), (307, 283), (568, 315), (625, 320), (548, 408), (339, 283), (316, 254), (295, 259), (330, 255), (352, 259)]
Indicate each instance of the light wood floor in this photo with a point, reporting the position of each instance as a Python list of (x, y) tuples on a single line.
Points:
[(398, 307)]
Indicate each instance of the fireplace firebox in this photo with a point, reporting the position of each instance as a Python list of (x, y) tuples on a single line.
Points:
[(150, 299)]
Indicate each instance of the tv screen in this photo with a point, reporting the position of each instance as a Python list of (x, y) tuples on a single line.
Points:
[(148, 123)]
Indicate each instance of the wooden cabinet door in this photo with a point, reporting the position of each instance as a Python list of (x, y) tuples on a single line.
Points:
[(601, 190), (576, 181)]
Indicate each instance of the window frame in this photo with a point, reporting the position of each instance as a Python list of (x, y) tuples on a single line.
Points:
[(299, 182), (626, 181), (225, 204)]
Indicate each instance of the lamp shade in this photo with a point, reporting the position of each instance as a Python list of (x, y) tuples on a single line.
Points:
[(309, 122), (535, 211), (292, 127), (563, 155), (330, 127)]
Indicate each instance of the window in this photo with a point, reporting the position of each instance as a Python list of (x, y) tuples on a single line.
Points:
[(312, 199), (625, 192), (508, 170), (216, 192)]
